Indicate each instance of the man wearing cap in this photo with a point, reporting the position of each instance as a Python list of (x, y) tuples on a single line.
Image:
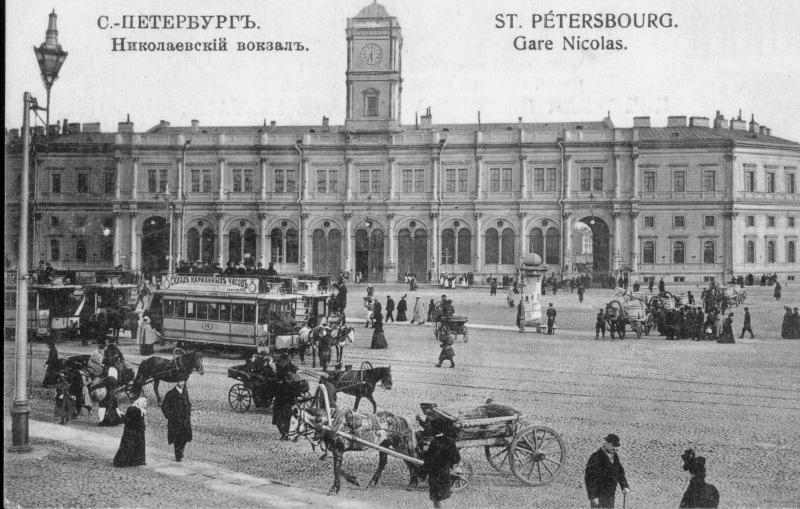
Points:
[(603, 472), (551, 319)]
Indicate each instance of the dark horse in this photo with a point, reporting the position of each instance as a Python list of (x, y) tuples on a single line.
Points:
[(384, 429), (362, 383), (169, 370)]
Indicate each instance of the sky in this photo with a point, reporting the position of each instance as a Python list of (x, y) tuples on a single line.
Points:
[(716, 55)]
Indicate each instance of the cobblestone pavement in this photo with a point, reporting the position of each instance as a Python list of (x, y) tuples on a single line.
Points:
[(738, 405)]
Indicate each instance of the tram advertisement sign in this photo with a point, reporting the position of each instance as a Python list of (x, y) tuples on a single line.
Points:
[(198, 283)]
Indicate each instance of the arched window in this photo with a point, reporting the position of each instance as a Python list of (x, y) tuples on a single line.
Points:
[(649, 252), (750, 252), (80, 250), (464, 246), (770, 252), (276, 245), (234, 246), (208, 245), (249, 246), (536, 243), (709, 252), (491, 247), (552, 244), (790, 253), (448, 247), (678, 252), (507, 247), (292, 246), (193, 245)]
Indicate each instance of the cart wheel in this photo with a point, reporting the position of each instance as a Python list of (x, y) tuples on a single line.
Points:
[(537, 455), (239, 398), (497, 457), (466, 334), (305, 401), (460, 475)]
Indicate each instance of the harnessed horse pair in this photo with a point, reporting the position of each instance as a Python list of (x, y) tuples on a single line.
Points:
[(322, 340)]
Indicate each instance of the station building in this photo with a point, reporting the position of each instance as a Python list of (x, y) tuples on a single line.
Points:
[(691, 200)]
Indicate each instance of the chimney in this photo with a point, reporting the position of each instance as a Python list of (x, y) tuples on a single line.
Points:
[(53, 130), (325, 123), (738, 124), (677, 121), (698, 122), (753, 124), (762, 129), (426, 119), (641, 121), (719, 121), (163, 123), (91, 127), (769, 131), (519, 121), (125, 127), (74, 128), (272, 123), (195, 125)]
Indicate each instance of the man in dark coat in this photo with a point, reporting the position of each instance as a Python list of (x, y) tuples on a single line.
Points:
[(389, 309), (551, 319), (402, 307), (746, 326), (603, 472), (178, 410), (580, 292), (341, 299), (441, 456), (661, 286), (600, 324)]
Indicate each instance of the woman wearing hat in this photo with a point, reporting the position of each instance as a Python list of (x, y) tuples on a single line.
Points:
[(147, 336), (131, 452), (699, 493)]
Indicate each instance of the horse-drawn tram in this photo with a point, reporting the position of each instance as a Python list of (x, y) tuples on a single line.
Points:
[(38, 318), (229, 311)]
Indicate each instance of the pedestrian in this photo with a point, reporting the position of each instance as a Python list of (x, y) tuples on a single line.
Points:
[(690, 298), (603, 472), (795, 324), (132, 446), (440, 457), (600, 324), (389, 308), (699, 493), (177, 408), (521, 315), (551, 319), (661, 286), (637, 286), (447, 352), (746, 326), (65, 409), (493, 287), (146, 337), (52, 364), (727, 330), (650, 284), (417, 317), (580, 292), (787, 329), (777, 292), (378, 337), (431, 311), (402, 307)]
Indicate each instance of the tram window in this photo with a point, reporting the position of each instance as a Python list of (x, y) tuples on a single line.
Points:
[(263, 313), (180, 309), (191, 310), (213, 311), (237, 312), (169, 308), (249, 313), (10, 300), (202, 310), (224, 312)]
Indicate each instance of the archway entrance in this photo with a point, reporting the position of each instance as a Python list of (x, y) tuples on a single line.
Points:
[(155, 244), (369, 255), (326, 250), (412, 254), (591, 238)]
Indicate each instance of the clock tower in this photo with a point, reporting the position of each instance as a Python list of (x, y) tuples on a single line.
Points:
[(374, 84)]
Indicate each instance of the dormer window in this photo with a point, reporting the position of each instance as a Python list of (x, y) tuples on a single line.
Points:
[(371, 103)]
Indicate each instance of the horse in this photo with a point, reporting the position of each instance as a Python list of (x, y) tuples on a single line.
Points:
[(168, 370), (323, 338), (340, 335), (362, 383), (384, 429)]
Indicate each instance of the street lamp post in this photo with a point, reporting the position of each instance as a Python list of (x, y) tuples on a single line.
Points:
[(50, 57)]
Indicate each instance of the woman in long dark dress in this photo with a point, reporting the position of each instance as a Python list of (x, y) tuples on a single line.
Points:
[(378, 338), (402, 307), (131, 452), (787, 331), (727, 331)]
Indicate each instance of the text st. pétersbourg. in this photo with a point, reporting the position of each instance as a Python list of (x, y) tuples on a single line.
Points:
[(194, 23), (580, 21)]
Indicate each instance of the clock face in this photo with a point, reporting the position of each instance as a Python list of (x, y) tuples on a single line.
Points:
[(371, 54)]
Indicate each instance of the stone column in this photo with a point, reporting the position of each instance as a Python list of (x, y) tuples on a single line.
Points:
[(135, 183), (391, 235), (478, 241), (392, 176), (118, 181), (523, 177), (566, 233), (435, 245), (567, 176), (265, 247), (117, 235), (181, 236), (617, 177), (617, 234), (134, 263), (523, 228), (348, 234), (436, 176), (220, 240), (263, 181), (348, 170), (634, 242), (304, 178), (179, 164), (727, 249), (305, 245), (635, 174), (730, 180), (221, 187), (478, 177)]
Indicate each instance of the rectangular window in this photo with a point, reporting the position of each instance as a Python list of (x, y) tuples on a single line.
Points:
[(333, 181), (55, 183), (450, 180), (327, 181), (191, 309), (372, 106), (202, 310), (678, 222), (770, 221), (109, 183), (586, 179), (376, 181), (750, 220), (709, 180), (708, 221), (771, 182), (462, 180), (790, 183), (678, 279), (285, 181), (169, 307), (679, 181), (363, 181), (152, 181), (419, 181), (291, 181), (649, 221), (54, 221), (649, 182), (195, 181), (206, 174), (213, 311), (236, 184), (322, 181), (597, 179), (538, 180), (750, 181), (83, 183), (407, 180), (248, 181), (507, 176), (237, 312), (224, 312), (55, 250), (494, 180), (550, 182), (790, 222)]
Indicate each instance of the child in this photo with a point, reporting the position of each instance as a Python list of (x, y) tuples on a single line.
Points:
[(65, 402)]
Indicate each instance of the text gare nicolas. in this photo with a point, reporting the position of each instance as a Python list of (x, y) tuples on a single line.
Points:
[(580, 21)]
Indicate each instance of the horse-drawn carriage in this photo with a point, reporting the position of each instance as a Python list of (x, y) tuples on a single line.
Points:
[(632, 315), (260, 386), (454, 325), (361, 382)]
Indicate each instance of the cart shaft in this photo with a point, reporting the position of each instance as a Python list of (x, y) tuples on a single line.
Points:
[(377, 447)]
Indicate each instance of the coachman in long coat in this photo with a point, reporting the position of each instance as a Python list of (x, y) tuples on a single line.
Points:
[(441, 456), (178, 410)]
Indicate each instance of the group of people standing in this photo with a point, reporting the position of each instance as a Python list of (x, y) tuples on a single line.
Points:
[(790, 328)]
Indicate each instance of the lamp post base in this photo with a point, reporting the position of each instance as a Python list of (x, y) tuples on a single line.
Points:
[(20, 411)]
